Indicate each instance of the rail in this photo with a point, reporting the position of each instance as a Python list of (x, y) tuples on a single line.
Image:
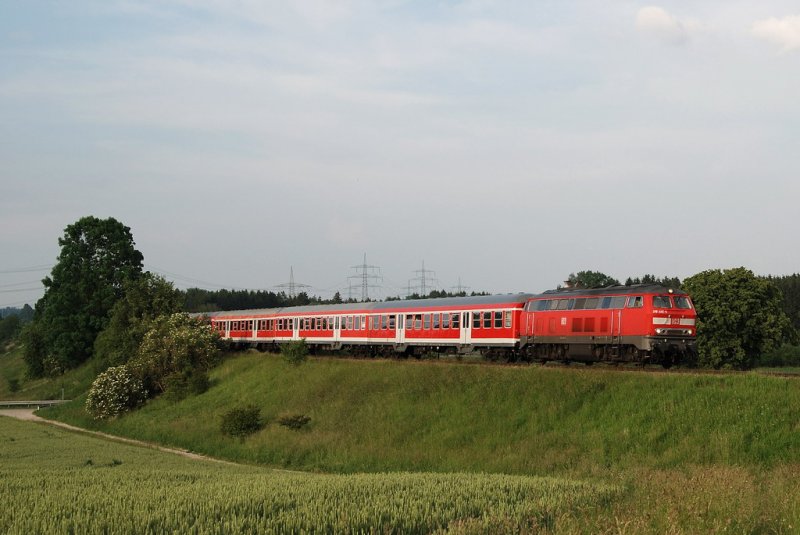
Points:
[(28, 404)]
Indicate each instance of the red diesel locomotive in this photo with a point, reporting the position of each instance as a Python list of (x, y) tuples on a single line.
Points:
[(642, 323)]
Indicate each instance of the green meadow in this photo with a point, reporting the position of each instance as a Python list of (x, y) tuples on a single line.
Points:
[(678, 453)]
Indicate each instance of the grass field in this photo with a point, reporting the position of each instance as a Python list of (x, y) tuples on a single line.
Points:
[(691, 453), (54, 481)]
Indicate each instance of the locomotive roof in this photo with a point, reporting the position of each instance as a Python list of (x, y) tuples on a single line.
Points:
[(377, 306), (613, 290)]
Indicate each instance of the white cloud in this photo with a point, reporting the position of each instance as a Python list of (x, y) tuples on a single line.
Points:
[(784, 32), (663, 25)]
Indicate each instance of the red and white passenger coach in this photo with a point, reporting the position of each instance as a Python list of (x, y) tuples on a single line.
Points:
[(642, 323)]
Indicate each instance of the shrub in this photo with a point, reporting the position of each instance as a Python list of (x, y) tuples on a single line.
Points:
[(176, 347), (294, 421), (241, 421), (114, 392), (786, 355), (295, 352), (13, 385), (185, 383)]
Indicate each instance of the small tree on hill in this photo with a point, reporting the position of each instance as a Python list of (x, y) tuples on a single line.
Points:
[(295, 352), (175, 353), (241, 421)]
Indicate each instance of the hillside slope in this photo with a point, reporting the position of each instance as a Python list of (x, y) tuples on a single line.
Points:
[(388, 415)]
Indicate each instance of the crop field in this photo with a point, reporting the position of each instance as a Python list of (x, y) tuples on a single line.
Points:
[(55, 481)]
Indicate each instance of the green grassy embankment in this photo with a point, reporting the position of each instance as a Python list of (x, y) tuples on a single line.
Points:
[(13, 370), (387, 415)]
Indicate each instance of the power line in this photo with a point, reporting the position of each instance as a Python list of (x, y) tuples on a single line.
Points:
[(29, 269), (18, 290), (19, 284)]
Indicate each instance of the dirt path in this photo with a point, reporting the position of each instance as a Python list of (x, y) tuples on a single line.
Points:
[(28, 415)]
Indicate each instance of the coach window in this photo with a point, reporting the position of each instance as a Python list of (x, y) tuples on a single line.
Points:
[(508, 319), (427, 322), (363, 322), (454, 321), (476, 320), (498, 320), (391, 321), (661, 301), (409, 322), (635, 301), (418, 322), (445, 321), (437, 320), (487, 320)]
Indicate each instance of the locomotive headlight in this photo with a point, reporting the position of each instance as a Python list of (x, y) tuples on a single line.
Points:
[(660, 331)]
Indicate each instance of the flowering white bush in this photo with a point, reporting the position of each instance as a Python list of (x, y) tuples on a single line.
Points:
[(113, 392)]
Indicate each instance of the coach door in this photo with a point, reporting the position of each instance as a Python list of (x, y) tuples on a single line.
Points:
[(466, 337), (399, 328), (337, 328), (295, 328)]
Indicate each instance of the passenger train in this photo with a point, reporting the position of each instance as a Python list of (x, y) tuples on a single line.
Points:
[(640, 323)]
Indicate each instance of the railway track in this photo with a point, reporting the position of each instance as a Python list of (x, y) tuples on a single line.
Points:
[(621, 367)]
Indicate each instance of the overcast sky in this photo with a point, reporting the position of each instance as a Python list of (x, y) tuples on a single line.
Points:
[(505, 143)]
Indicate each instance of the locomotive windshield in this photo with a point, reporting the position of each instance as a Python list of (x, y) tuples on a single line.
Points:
[(665, 301), (662, 301), (683, 302)]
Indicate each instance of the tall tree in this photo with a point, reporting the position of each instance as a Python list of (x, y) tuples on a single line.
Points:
[(739, 317), (97, 257)]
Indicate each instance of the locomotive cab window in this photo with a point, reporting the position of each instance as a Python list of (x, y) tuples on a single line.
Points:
[(635, 301), (682, 302), (662, 301)]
